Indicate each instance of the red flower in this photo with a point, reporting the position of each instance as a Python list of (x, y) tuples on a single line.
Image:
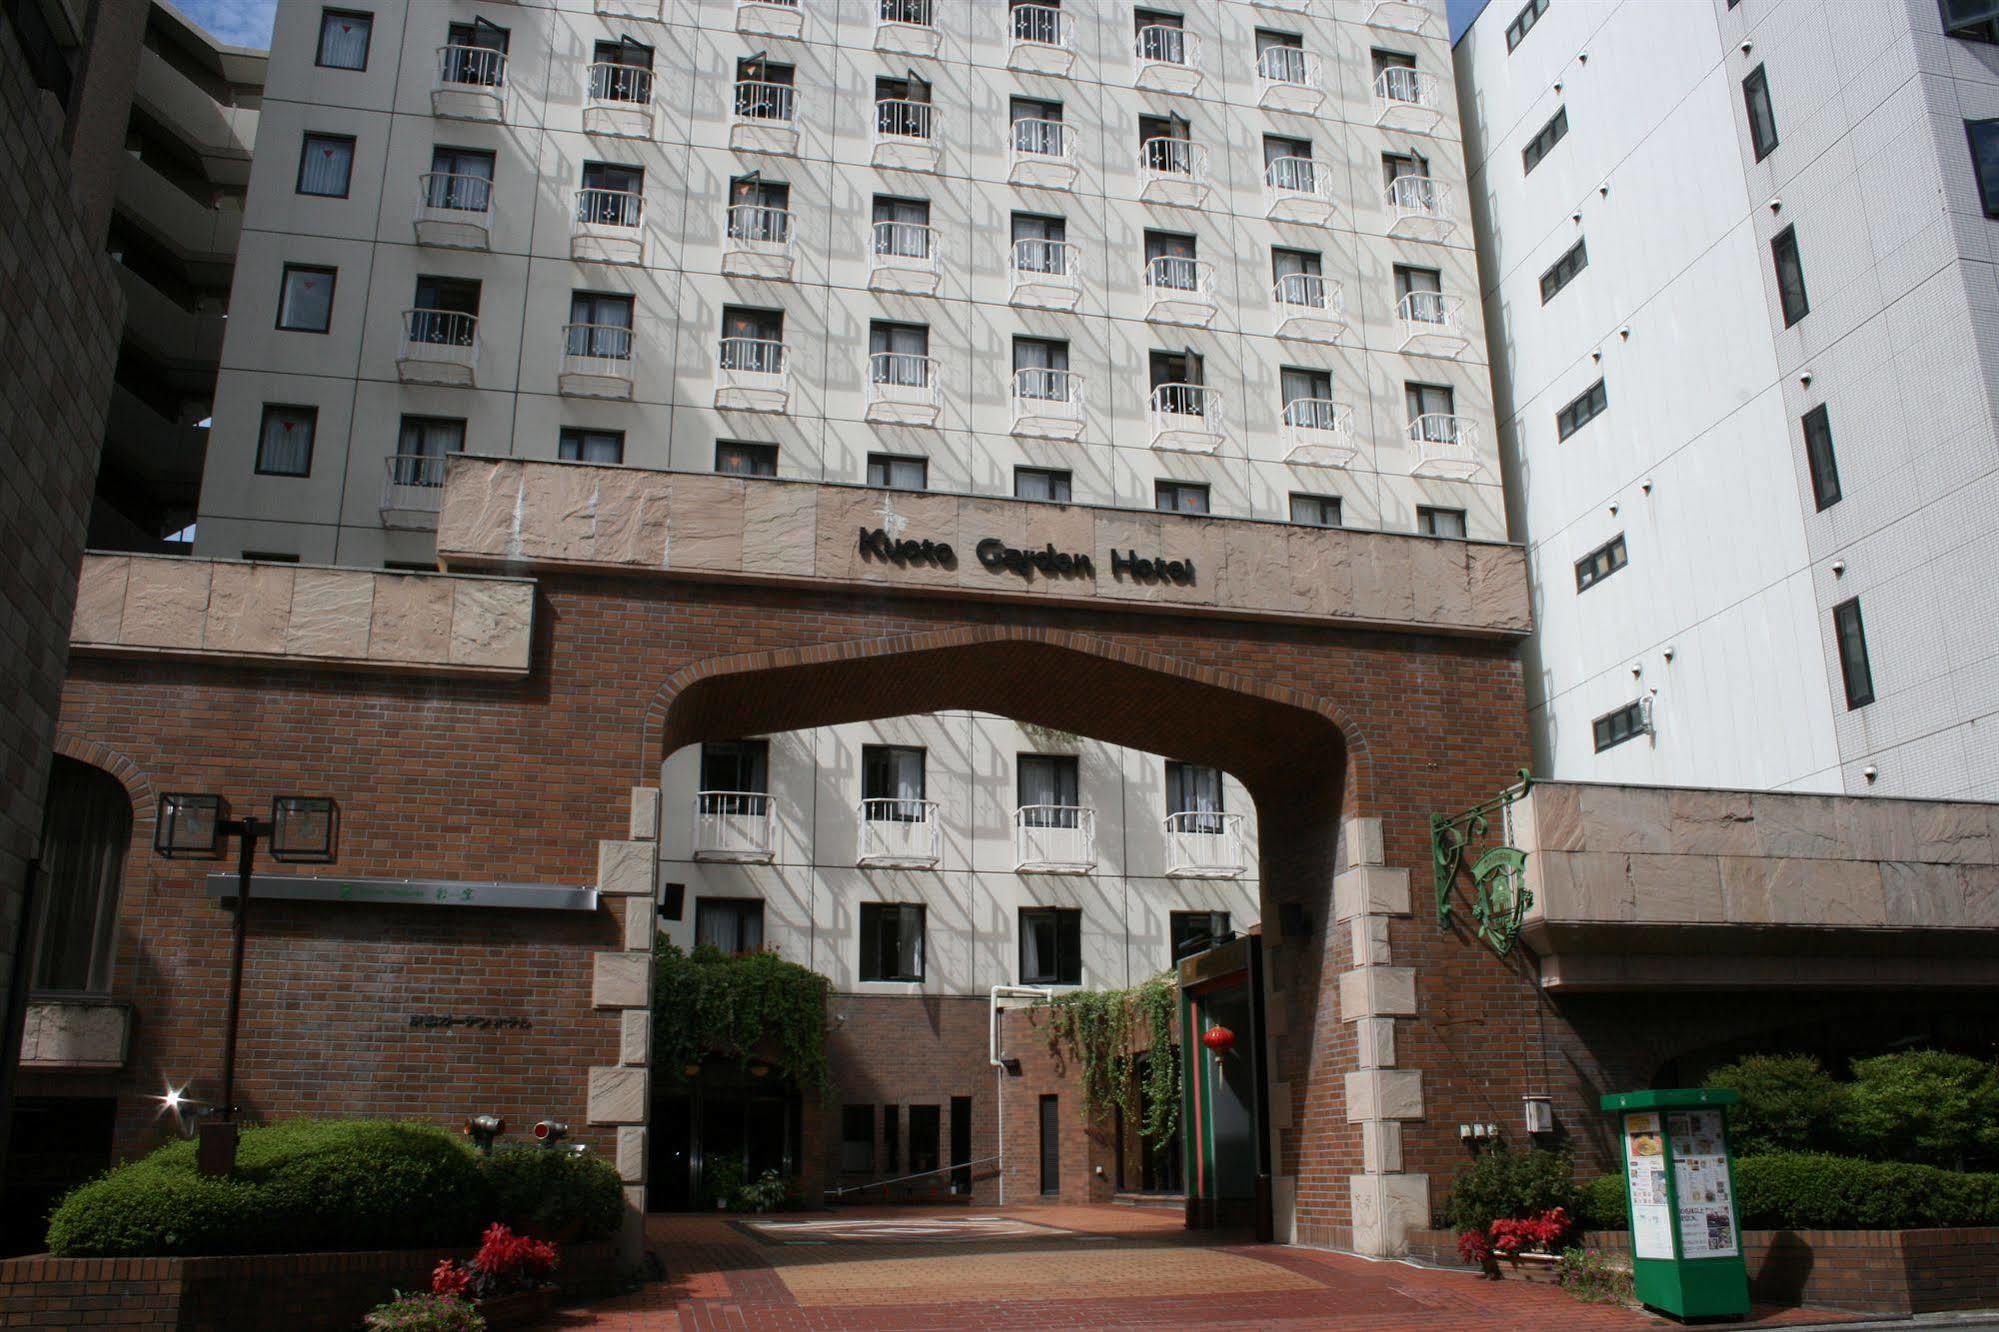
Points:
[(450, 1279)]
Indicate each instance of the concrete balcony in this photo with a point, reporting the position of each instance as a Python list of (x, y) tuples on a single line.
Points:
[(1287, 6), (1179, 291), (1309, 307), (79, 1033), (1419, 209), (752, 375), (904, 259), (1666, 888), (1289, 78), (1173, 171), (1319, 432), (172, 334), (905, 135), (470, 84), (649, 10), (193, 231), (608, 227), (758, 242), (1045, 275), (1185, 418), (1445, 446), (735, 827), (1047, 404), (1409, 100), (906, 27), (439, 347), (1041, 154), (899, 834), (770, 18), (596, 361), (1040, 39), (1432, 324), (454, 212), (1403, 16), (1166, 59), (1298, 189), (764, 119), (412, 491), (1204, 845), (1054, 839), (903, 389), (619, 101)]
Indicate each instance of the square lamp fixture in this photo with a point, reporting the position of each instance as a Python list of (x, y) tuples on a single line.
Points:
[(304, 828), (189, 825)]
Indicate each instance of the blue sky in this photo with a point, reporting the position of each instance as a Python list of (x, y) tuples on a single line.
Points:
[(248, 22)]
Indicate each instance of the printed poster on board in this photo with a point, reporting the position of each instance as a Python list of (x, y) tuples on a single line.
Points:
[(1700, 1182), (1645, 1164)]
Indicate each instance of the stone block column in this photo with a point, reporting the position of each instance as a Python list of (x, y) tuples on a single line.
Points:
[(621, 981)]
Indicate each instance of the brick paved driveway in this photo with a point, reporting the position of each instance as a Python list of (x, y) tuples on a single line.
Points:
[(1048, 1267)]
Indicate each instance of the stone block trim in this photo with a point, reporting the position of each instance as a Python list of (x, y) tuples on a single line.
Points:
[(618, 1095), (1370, 890), (621, 980), (69, 1034), (625, 869), (632, 1154), (1386, 1209), (1374, 992), (645, 814), (635, 1037), (1384, 1093)]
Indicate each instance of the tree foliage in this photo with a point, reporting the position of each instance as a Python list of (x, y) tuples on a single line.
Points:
[(1104, 1032), (1789, 1104), (741, 1006)]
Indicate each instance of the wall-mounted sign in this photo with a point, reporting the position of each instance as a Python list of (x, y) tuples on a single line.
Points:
[(410, 892), (997, 556), (877, 544), (1159, 570)]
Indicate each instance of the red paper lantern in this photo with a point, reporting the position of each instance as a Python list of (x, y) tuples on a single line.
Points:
[(1219, 1039)]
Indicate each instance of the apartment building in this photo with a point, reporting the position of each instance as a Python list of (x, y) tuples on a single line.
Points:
[(1735, 260)]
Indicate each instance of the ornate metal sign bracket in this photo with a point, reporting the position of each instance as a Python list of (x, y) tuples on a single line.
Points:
[(1499, 897)]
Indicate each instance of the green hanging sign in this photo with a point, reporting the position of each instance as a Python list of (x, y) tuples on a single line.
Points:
[(1498, 898)]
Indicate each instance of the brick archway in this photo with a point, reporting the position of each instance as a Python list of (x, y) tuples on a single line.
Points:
[(128, 774)]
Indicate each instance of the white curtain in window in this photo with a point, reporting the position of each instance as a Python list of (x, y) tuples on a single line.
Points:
[(909, 941), (286, 443), (325, 165), (1037, 946), (343, 41)]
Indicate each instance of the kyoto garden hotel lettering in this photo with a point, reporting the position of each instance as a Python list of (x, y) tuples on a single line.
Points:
[(996, 556)]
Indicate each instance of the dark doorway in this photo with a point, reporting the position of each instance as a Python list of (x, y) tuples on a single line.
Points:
[(961, 1144), (724, 1111), (1051, 1145), (58, 1142)]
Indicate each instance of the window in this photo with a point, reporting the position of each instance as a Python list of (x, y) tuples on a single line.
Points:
[(732, 924), (422, 445), (600, 325), (1762, 120), (1432, 412), (444, 310), (889, 472), (1048, 788), (1614, 728), (407, 566), (1051, 946), (1790, 276), (1288, 164), (1315, 510), (673, 901), (902, 107), (857, 1139), (621, 71), (1037, 125), (1819, 458), (1524, 21), (924, 1138), (1170, 261), (1984, 137), (891, 1138), (1296, 277), (86, 834), (1176, 383), (763, 90), (461, 179), (1563, 271), (1971, 20), (892, 782), (892, 950), (1307, 397), (902, 227), (738, 458), (1051, 1144), (1159, 36), (475, 53), (343, 38), (612, 195), (1280, 56), (1544, 140), (740, 767), (325, 163), (1601, 563), (305, 299), (576, 444), (1581, 410), (752, 340), (1179, 497), (271, 556), (1041, 483), (1163, 142), (1853, 667), (1038, 244), (899, 354), (1440, 522), (1195, 792), (1417, 281), (284, 441), (1407, 166), (760, 210), (1195, 931), (1041, 369)]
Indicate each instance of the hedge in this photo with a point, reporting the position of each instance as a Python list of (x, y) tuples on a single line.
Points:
[(1501, 1183), (305, 1186), (1811, 1191)]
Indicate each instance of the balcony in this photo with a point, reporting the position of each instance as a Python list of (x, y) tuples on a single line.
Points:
[(1298, 189), (638, 9), (1446, 446), (454, 212), (1403, 16), (1290, 79), (903, 137), (1286, 6), (1054, 839), (1309, 308), (906, 27), (413, 491), (903, 390), (1045, 275), (1408, 99), (471, 83), (764, 119), (769, 18), (1419, 208), (596, 361), (607, 227), (1047, 404), (904, 259), (1202, 844), (1041, 39), (899, 834), (1166, 60), (1179, 290), (1433, 324), (735, 827), (1173, 171), (619, 101), (757, 242), (1318, 432), (1185, 418), (1041, 154), (752, 375), (439, 347)]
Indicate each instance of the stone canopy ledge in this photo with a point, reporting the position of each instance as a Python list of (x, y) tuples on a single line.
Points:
[(302, 615), (1662, 887), (513, 514)]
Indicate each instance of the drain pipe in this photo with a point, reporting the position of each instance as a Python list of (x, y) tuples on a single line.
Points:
[(1000, 992)]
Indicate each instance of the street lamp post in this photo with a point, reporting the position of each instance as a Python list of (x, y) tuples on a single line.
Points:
[(300, 829)]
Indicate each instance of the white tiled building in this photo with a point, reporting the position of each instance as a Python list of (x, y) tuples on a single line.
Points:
[(1738, 276)]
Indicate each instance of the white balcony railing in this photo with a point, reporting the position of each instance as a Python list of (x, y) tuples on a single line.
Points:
[(1290, 78), (770, 18), (1309, 306), (1432, 322), (471, 83), (638, 9), (899, 834), (1288, 6), (1041, 152), (752, 375), (757, 241), (904, 134), (1419, 207), (454, 211), (1045, 274), (906, 27), (608, 226), (1203, 844), (1445, 445), (596, 361), (1402, 15), (1179, 290), (1173, 171), (1166, 59), (1319, 432), (764, 118), (1408, 99), (1054, 839), (413, 490), (1041, 39), (439, 347), (1047, 404), (735, 827), (619, 101), (903, 389), (1186, 418), (904, 258), (1298, 189)]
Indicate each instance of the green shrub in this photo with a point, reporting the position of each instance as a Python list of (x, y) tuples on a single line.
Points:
[(553, 1194), (1500, 1184), (721, 1178), (1923, 1105), (1789, 1104), (1594, 1278), (425, 1313), (766, 1193), (1605, 1204), (1802, 1191)]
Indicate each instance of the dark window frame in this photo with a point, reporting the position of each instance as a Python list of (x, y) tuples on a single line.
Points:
[(1783, 247), (1065, 476), (1988, 189), (1160, 487), (1618, 725), (284, 285), (872, 964), (738, 907), (1339, 514), (1565, 270), (319, 43), (1755, 92), (1580, 410), (565, 435), (1068, 961), (1856, 670), (1553, 132), (1602, 562), (1820, 458), (850, 1119), (305, 147), (1523, 23), (1174, 931), (1980, 22), (1430, 511), (752, 449), (311, 411)]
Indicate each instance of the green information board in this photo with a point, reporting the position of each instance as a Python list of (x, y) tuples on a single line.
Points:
[(1679, 1179)]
